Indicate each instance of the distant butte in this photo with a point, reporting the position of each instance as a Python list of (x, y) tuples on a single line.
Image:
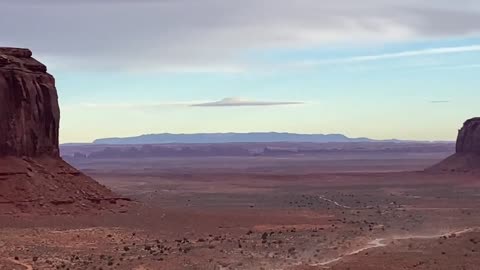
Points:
[(467, 156), (33, 177), (468, 141)]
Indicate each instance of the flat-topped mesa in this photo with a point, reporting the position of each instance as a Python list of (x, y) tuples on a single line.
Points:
[(29, 111), (468, 140)]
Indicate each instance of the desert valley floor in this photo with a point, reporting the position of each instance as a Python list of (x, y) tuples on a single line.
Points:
[(260, 213)]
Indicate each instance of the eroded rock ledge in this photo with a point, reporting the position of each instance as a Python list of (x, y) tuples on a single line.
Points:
[(29, 112)]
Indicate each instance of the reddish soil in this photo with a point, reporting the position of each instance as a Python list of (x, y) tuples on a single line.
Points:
[(47, 185), (256, 213)]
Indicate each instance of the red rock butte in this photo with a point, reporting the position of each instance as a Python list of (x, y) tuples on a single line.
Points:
[(469, 137), (467, 155), (33, 177)]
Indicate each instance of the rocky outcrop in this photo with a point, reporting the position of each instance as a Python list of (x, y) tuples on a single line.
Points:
[(468, 140), (33, 177), (29, 112), (467, 154)]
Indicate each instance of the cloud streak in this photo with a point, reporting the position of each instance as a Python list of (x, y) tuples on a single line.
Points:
[(397, 55), (415, 53), (453, 67), (239, 102), (226, 102), (132, 106)]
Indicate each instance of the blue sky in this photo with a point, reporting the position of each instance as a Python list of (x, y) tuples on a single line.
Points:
[(382, 70)]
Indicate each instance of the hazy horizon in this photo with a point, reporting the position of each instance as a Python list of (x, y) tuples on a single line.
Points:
[(352, 139), (380, 69)]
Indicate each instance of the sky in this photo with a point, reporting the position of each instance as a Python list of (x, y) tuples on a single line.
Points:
[(373, 68)]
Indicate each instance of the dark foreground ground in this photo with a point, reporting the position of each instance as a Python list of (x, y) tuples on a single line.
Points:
[(261, 213)]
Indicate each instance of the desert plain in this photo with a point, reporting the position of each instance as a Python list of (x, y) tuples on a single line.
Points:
[(349, 211)]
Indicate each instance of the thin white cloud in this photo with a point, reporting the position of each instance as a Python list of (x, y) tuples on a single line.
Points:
[(439, 101), (237, 102), (414, 53), (134, 106), (397, 55), (457, 67), (226, 102)]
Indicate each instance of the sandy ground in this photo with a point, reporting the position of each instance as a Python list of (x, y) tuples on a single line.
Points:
[(260, 214)]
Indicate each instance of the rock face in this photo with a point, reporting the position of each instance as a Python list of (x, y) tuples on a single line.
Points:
[(29, 112), (468, 140), (33, 177), (467, 156)]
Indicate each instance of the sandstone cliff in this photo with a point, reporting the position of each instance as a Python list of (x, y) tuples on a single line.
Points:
[(29, 113), (33, 177)]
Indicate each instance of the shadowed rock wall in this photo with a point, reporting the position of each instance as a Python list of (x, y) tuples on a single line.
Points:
[(467, 156), (29, 112), (468, 140)]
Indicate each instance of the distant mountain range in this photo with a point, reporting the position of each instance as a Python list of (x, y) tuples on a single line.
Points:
[(233, 138)]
